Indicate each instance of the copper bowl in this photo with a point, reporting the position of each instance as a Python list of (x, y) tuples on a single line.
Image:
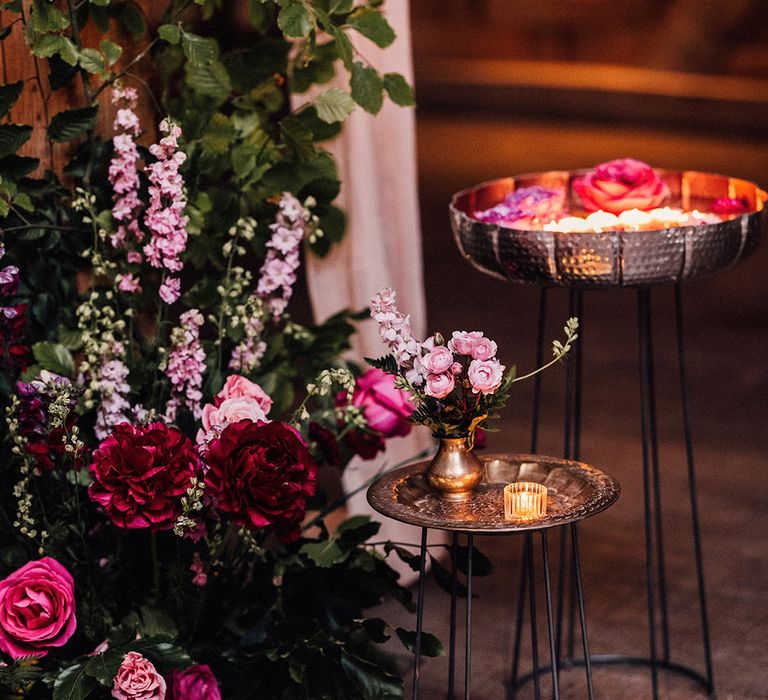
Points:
[(590, 260)]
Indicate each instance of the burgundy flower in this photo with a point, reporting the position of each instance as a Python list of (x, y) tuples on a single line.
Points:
[(14, 354), (194, 683), (260, 475), (9, 280), (326, 442), (621, 184), (37, 609), (140, 473), (365, 444), (727, 206)]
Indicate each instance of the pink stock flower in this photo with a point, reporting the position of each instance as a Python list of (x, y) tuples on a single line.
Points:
[(621, 184), (437, 360), (485, 376), (462, 342), (134, 257), (138, 679), (186, 365), (439, 385), (195, 683), (170, 290), (129, 284), (238, 386), (198, 568), (114, 407), (394, 327), (386, 409), (37, 609), (483, 349)]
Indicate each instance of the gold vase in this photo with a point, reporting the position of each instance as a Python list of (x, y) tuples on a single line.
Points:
[(455, 470)]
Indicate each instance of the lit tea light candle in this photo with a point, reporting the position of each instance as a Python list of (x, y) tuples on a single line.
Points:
[(634, 218), (525, 500)]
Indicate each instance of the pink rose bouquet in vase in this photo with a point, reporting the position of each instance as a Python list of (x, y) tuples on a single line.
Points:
[(455, 387)]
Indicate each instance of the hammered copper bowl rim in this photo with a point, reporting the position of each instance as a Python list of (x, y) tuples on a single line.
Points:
[(383, 496)]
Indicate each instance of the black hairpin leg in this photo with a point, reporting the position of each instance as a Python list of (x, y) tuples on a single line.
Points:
[(532, 612), (582, 612), (468, 637), (419, 615), (521, 591), (454, 596), (550, 622), (692, 490)]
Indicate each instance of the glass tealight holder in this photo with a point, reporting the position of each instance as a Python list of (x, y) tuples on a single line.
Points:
[(525, 500)]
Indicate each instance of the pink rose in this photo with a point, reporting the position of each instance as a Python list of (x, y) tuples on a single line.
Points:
[(462, 342), (137, 679), (483, 349), (37, 609), (620, 185), (439, 385), (386, 408), (216, 418), (437, 360), (485, 376), (237, 386), (195, 683), (456, 368)]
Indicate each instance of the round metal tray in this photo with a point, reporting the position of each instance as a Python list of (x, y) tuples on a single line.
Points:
[(576, 491), (615, 258)]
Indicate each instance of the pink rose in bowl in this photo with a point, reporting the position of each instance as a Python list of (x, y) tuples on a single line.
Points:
[(439, 385), (483, 349), (138, 679), (437, 360), (621, 184), (238, 386), (195, 683), (386, 408), (462, 342), (37, 609), (485, 376)]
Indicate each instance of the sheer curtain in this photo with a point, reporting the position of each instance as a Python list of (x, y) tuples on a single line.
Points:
[(376, 156)]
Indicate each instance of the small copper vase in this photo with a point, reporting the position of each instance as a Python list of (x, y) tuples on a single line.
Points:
[(455, 470)]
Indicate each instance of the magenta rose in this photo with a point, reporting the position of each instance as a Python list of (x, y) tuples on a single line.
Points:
[(386, 408), (260, 474), (621, 184), (140, 473), (138, 679), (462, 342), (485, 376), (237, 387), (439, 385), (37, 609), (195, 683), (437, 360)]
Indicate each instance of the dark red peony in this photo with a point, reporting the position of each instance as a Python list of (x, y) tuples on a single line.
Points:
[(260, 475), (140, 473)]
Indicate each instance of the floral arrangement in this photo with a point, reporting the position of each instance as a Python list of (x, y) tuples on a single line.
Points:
[(168, 419), (620, 195), (454, 387)]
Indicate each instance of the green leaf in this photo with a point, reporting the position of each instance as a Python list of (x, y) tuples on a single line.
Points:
[(294, 20), (376, 629), (367, 87), (324, 554), (66, 126), (343, 45), (100, 16), (443, 578), (133, 20), (430, 645), (209, 79), (111, 50), (16, 167), (104, 666), (47, 18), (92, 61), (481, 565), (54, 357), (100, 3), (73, 683), (334, 105), (355, 530), (199, 50), (219, 135), (170, 33), (372, 682), (372, 24), (156, 622), (13, 137), (8, 96), (398, 90), (413, 560), (298, 138)]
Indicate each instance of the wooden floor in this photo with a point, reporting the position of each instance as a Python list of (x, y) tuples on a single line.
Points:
[(727, 333)]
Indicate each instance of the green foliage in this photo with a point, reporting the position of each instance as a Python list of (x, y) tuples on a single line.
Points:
[(68, 125), (367, 87)]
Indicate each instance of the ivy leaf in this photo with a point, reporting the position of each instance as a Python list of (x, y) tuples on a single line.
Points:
[(54, 357), (13, 137), (198, 50), (334, 105), (92, 61), (430, 645), (111, 50), (294, 20), (47, 18), (73, 683), (398, 90), (67, 125), (170, 33), (372, 24), (8, 96), (367, 87)]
